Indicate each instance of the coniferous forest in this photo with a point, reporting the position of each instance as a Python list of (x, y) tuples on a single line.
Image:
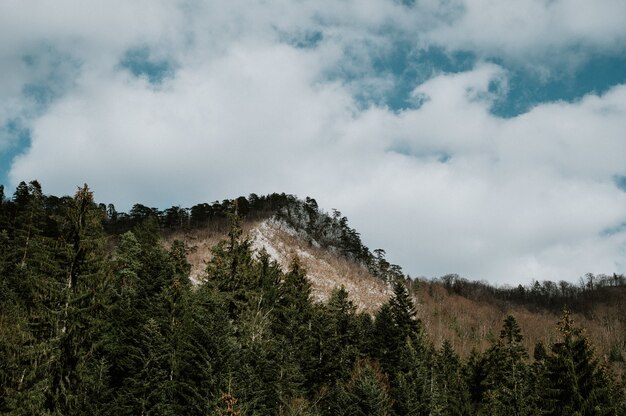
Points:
[(98, 317)]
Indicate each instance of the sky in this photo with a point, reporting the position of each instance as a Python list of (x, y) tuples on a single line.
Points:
[(480, 137)]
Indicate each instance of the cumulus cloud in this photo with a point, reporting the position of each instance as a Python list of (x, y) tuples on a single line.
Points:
[(538, 32), (526, 193), (178, 103)]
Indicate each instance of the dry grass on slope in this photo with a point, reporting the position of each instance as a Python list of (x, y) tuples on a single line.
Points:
[(470, 324), (325, 270)]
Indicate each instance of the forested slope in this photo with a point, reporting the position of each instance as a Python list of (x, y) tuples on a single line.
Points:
[(98, 315)]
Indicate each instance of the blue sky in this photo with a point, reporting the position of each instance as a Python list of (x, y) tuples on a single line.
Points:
[(477, 137)]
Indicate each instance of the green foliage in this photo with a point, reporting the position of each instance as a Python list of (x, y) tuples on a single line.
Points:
[(449, 395), (62, 292), (367, 391), (508, 383), (336, 338), (414, 381), (575, 382), (395, 323)]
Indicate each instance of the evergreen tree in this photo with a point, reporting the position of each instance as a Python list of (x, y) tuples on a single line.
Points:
[(476, 371), (96, 326), (231, 270), (508, 383), (127, 318), (395, 322), (387, 340), (151, 323), (293, 323), (336, 339), (80, 366), (334, 400), (365, 393), (368, 391), (64, 291), (577, 384), (414, 383), (207, 353), (32, 302), (448, 393), (403, 310)]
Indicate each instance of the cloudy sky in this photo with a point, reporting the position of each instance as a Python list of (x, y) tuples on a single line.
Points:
[(482, 137)]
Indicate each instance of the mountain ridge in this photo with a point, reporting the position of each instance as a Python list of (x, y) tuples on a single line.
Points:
[(111, 321), (466, 312)]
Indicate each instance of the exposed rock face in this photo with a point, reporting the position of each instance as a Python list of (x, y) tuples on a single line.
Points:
[(325, 269)]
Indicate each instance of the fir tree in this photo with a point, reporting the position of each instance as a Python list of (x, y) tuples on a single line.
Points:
[(577, 385), (336, 343), (508, 383), (414, 383), (368, 391), (395, 322), (81, 365), (448, 393)]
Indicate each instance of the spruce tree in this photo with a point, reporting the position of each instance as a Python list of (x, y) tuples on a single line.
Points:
[(368, 391), (64, 291), (151, 320), (577, 384), (335, 336), (80, 368), (395, 322), (293, 323), (32, 275), (231, 270), (476, 371), (413, 384), (448, 392), (403, 310), (508, 383)]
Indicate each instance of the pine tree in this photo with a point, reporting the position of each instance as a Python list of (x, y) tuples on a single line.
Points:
[(414, 383), (368, 391), (64, 292), (336, 344), (448, 394), (293, 319), (509, 388), (577, 384), (78, 376), (395, 322), (403, 310)]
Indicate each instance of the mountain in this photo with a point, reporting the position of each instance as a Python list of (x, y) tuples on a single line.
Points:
[(467, 313), (268, 305), (326, 270)]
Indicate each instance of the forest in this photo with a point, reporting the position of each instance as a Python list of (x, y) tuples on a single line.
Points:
[(98, 316)]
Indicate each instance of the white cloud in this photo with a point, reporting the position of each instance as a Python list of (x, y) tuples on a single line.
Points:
[(537, 32), (521, 198)]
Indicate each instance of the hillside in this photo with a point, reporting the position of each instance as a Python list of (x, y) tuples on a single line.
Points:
[(466, 313), (325, 269), (286, 312), (469, 322)]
